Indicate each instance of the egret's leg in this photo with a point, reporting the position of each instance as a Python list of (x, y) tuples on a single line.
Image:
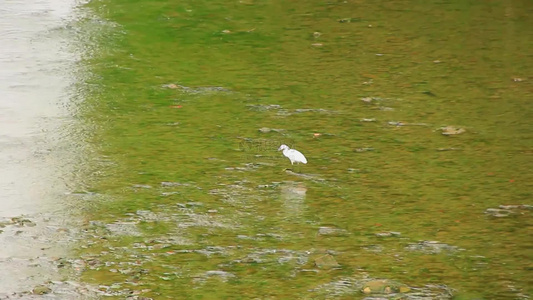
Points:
[(286, 169)]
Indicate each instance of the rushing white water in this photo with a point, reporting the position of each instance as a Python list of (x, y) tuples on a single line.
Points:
[(36, 70)]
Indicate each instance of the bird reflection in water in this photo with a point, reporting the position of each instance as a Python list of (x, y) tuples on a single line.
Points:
[(293, 196)]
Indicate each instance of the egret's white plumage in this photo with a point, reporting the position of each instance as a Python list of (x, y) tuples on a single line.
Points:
[(294, 155)]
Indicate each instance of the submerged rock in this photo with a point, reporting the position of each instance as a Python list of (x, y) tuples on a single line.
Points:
[(522, 206), (451, 130), (396, 123), (373, 248), (146, 215), (349, 20), (286, 112), (366, 149), (431, 247), (170, 184), (332, 231), (41, 290), (498, 213), (141, 186), (326, 261), (380, 286), (222, 274), (124, 228), (400, 123), (368, 120), (507, 210), (21, 222), (195, 90), (267, 130), (388, 234), (382, 289), (263, 107), (219, 274), (320, 110)]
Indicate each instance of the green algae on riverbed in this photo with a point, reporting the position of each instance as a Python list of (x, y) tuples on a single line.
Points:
[(192, 201)]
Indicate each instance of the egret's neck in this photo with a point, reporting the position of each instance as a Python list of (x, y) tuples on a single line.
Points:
[(286, 151)]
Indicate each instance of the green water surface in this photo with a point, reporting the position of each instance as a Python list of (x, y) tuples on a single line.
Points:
[(193, 201)]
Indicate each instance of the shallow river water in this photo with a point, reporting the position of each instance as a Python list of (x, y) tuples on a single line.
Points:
[(414, 117), (36, 152)]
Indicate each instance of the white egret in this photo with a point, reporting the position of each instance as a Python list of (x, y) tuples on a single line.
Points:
[(294, 155)]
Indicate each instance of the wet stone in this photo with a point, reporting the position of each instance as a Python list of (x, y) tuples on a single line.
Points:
[(21, 222), (41, 290)]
